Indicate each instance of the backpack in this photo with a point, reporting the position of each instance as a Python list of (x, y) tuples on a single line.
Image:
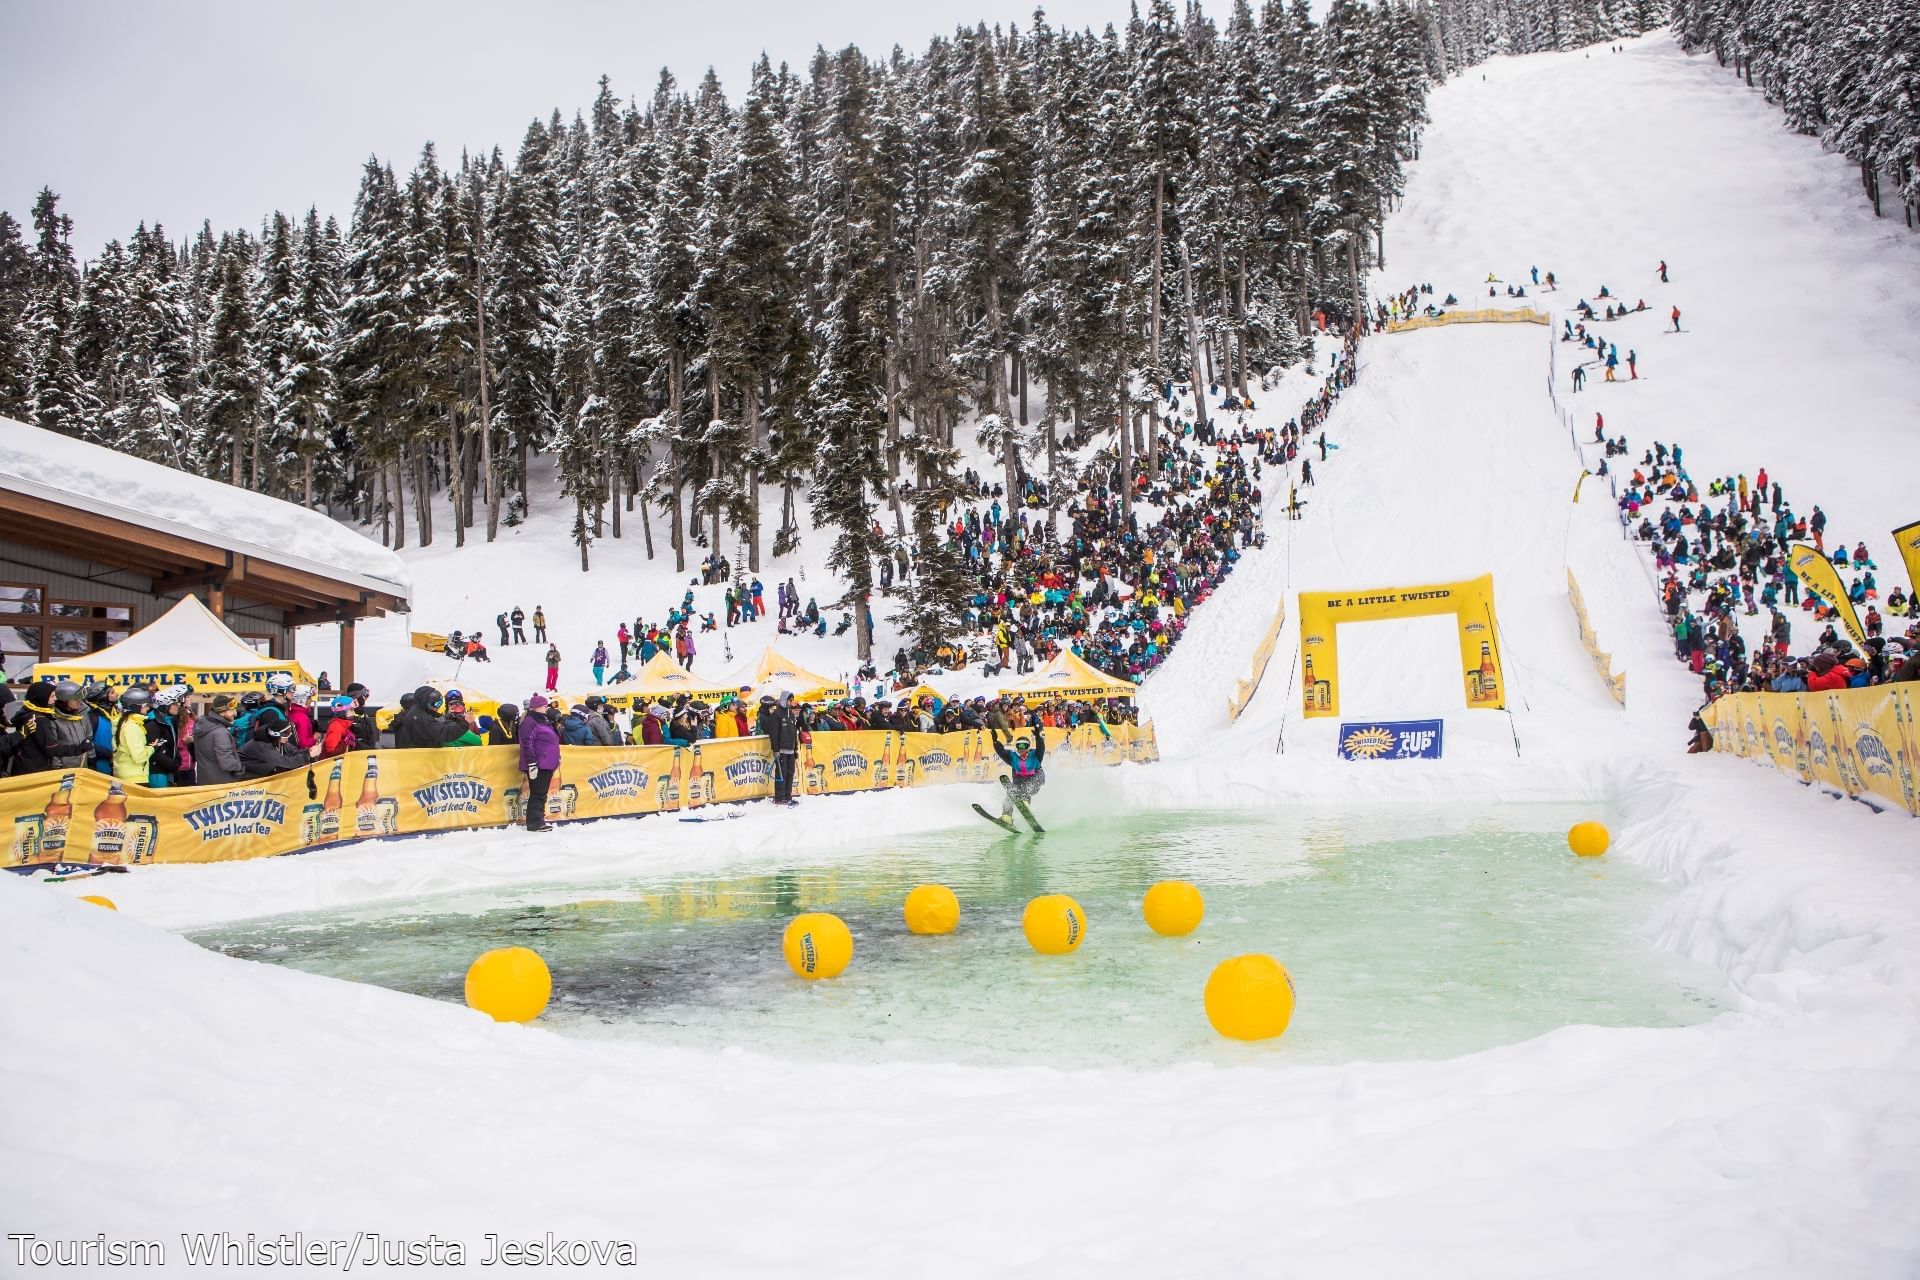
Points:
[(242, 728)]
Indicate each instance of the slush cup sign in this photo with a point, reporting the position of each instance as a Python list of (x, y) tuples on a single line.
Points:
[(1391, 740)]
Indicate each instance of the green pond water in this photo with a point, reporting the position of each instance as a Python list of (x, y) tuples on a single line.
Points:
[(1409, 932)]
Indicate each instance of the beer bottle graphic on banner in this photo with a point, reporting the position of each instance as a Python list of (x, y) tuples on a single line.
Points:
[(561, 797), (881, 775), (699, 781), (670, 785), (366, 818), (1489, 681), (813, 777), (1319, 693), (110, 825), (903, 765), (57, 819), (330, 806)]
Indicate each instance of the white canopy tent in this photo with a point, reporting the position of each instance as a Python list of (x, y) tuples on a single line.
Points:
[(185, 645)]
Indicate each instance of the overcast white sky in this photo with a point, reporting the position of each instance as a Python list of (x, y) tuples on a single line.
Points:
[(178, 110)]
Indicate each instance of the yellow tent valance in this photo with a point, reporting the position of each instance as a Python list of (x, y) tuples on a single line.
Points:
[(1069, 676), (662, 677), (185, 645), (775, 673)]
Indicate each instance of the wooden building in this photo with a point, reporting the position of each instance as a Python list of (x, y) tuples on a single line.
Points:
[(95, 545)]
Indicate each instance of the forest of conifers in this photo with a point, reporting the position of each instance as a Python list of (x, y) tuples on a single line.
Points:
[(826, 288)]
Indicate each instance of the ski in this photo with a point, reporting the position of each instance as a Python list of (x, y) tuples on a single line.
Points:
[(80, 871), (998, 822), (1025, 812)]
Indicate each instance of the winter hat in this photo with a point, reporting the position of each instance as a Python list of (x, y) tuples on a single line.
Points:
[(537, 702)]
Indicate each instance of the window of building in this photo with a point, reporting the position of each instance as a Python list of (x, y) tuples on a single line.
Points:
[(37, 629)]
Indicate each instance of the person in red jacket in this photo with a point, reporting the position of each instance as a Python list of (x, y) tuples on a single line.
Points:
[(1826, 674), (339, 738)]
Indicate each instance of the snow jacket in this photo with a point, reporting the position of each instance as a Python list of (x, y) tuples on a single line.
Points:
[(130, 749), (302, 719), (163, 742), (539, 744), (418, 726), (262, 757), (52, 739), (778, 727), (215, 758), (340, 737)]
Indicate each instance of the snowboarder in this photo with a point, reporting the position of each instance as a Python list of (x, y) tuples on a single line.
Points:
[(1663, 271), (1676, 318), (1633, 370), (1579, 376), (600, 662), (553, 668), (501, 622), (519, 625), (539, 625)]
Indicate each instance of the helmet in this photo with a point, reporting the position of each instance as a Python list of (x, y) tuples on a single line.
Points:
[(343, 703), (253, 701), (135, 700), (94, 691), (66, 691), (454, 695), (302, 692), (279, 682), (171, 696)]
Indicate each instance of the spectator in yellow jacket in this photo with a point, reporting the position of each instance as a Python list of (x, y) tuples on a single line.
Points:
[(131, 750)]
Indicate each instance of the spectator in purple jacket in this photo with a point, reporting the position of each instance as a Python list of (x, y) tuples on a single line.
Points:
[(540, 757)]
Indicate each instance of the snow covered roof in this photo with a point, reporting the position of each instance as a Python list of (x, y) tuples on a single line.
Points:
[(74, 473)]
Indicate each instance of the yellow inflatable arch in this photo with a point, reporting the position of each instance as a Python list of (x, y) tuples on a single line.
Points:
[(1471, 603)]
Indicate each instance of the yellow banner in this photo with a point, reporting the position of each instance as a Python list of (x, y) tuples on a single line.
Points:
[(1602, 661), (431, 641), (1244, 690), (1853, 742), (1907, 538), (1471, 603), (1479, 315), (1818, 575), (82, 816)]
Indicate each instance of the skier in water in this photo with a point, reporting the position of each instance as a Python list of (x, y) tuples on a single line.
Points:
[(1025, 757)]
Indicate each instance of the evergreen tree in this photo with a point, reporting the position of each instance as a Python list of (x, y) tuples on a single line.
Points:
[(56, 396)]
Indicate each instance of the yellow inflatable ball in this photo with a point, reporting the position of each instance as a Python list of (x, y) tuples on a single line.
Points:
[(509, 984), (99, 901), (932, 908), (817, 945), (1588, 839), (1249, 998), (1173, 908), (1054, 924)]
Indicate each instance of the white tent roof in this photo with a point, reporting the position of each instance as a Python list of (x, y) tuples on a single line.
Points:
[(184, 645)]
